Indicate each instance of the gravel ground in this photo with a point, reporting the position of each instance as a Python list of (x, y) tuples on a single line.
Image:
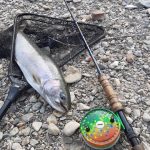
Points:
[(125, 57)]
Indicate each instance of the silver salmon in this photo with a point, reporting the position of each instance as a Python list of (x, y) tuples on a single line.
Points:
[(42, 73)]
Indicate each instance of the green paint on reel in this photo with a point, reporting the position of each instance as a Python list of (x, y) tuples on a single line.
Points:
[(100, 128)]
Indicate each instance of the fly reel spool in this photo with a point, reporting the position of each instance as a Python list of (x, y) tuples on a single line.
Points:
[(100, 128)]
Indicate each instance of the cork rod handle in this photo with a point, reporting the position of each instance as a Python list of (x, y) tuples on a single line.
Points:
[(110, 93)]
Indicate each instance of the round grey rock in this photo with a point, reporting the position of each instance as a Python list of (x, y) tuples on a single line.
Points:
[(70, 128), (52, 119), (53, 129), (146, 117), (72, 75)]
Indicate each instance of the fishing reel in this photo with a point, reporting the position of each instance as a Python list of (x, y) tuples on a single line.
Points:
[(100, 128)]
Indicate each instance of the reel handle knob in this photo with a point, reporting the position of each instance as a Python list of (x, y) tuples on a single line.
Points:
[(110, 93)]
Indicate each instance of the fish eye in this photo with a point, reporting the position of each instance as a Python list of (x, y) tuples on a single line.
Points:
[(62, 96)]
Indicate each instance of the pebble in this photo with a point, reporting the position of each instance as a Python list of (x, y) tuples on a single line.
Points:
[(70, 128), (67, 140), (137, 130), (26, 141), (87, 75), (130, 7), (97, 15), (72, 96), (52, 119), (72, 75), (146, 117), (57, 114), (16, 146), (33, 142), (36, 106), (36, 125), (27, 117), (129, 119), (141, 92), (138, 53), (136, 113), (77, 1), (85, 18), (114, 64), (53, 129), (17, 140), (25, 131), (148, 11), (82, 106), (14, 131), (117, 82), (1, 103), (128, 110), (33, 99), (104, 58), (42, 110), (1, 136), (130, 57)]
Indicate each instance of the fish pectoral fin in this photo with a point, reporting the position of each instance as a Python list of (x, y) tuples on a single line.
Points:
[(36, 79)]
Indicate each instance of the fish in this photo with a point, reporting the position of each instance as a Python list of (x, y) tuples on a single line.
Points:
[(42, 73), (145, 3)]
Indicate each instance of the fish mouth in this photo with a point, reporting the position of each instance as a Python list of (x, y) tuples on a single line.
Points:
[(64, 107), (59, 106)]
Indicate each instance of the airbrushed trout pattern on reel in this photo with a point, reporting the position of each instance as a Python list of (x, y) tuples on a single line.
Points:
[(100, 128)]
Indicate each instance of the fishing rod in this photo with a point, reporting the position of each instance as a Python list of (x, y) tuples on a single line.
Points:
[(116, 106)]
